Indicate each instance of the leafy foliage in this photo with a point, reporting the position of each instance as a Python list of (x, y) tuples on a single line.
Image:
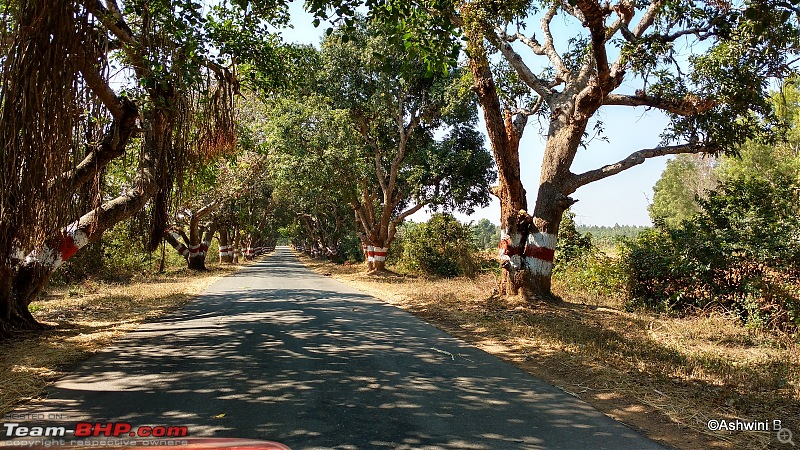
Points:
[(441, 246), (486, 234), (741, 251), (571, 244), (685, 179)]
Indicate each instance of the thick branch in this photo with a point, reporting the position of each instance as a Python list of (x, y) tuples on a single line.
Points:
[(689, 105), (595, 22), (648, 18), (515, 60), (393, 225), (365, 224), (547, 48), (111, 19), (634, 159), (101, 88)]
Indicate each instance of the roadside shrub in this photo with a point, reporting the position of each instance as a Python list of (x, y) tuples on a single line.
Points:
[(740, 252), (441, 246), (594, 274), (351, 248), (571, 243), (582, 268)]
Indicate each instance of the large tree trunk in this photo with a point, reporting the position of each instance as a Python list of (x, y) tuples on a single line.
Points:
[(198, 251), (551, 202), (22, 281), (29, 275), (237, 245), (379, 258), (504, 135), (225, 247)]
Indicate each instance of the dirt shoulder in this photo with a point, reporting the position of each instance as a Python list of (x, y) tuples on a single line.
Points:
[(85, 318), (665, 376)]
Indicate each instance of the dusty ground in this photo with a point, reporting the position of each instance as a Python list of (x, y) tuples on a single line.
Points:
[(85, 318), (665, 376)]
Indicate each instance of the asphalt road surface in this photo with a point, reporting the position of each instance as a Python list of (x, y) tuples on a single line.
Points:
[(277, 352)]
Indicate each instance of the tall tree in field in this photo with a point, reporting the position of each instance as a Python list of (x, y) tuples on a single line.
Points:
[(397, 108), (685, 179), (706, 65), (715, 96)]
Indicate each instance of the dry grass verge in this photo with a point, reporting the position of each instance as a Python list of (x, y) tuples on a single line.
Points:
[(85, 318), (665, 376)]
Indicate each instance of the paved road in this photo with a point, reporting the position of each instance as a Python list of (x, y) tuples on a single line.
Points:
[(278, 352)]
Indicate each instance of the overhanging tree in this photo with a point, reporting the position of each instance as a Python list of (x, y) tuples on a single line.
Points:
[(64, 121)]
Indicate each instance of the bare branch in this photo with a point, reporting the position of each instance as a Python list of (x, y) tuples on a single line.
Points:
[(595, 23), (689, 105), (648, 18), (401, 217), (547, 48), (111, 19), (634, 159), (513, 58)]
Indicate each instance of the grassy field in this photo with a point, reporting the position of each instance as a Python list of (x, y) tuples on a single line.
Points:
[(666, 376)]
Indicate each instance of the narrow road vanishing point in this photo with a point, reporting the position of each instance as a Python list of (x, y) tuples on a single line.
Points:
[(277, 352)]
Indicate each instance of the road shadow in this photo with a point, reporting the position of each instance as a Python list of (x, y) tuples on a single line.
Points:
[(322, 367)]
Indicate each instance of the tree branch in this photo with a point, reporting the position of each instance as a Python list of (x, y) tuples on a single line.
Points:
[(393, 224), (647, 20), (111, 19), (634, 159), (547, 48), (689, 105), (595, 23), (513, 58)]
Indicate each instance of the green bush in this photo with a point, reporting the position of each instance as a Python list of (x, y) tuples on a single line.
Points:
[(351, 248), (571, 243), (581, 267), (593, 273), (740, 252), (441, 246)]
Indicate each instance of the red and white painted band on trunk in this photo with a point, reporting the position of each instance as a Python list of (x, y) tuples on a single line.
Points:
[(541, 246), (380, 253), (180, 247), (70, 241), (540, 251), (371, 253)]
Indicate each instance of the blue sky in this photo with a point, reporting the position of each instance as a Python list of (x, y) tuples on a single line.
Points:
[(621, 199)]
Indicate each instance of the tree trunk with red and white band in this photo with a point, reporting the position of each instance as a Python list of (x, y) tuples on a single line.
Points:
[(379, 258)]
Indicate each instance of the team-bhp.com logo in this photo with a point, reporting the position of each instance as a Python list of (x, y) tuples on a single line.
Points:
[(90, 429)]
